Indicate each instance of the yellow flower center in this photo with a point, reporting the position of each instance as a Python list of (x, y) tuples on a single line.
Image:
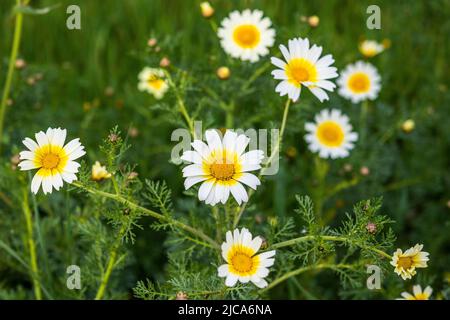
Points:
[(299, 70), (405, 262), (421, 296), (50, 157), (50, 161), (330, 134), (247, 36), (359, 82), (155, 82), (242, 263), (222, 171)]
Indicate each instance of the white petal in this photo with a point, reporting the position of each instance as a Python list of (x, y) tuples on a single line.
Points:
[(249, 179)]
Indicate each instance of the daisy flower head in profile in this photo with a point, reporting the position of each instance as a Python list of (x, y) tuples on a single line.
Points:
[(246, 35), (359, 81), (303, 66), (418, 294), (370, 48), (54, 160), (242, 263), (330, 134), (222, 167), (152, 80), (405, 263)]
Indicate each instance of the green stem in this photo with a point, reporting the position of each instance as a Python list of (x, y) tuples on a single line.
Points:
[(181, 105), (269, 161), (111, 262), (229, 121), (9, 75), (326, 238), (149, 212), (301, 270), (31, 245), (255, 75), (363, 121)]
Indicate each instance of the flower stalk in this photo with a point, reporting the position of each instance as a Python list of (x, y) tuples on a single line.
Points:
[(31, 245), (12, 59)]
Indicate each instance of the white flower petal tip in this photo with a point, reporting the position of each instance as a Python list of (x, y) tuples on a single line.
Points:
[(331, 135), (54, 160), (246, 35), (243, 264), (222, 167), (303, 67)]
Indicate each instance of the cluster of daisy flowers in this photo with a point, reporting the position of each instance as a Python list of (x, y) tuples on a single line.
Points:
[(222, 166)]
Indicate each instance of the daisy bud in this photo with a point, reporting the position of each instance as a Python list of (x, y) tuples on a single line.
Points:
[(99, 172), (20, 64), (408, 126), (15, 159), (371, 228), (207, 10), (364, 171), (291, 152), (223, 73), (132, 175), (38, 76), (31, 81), (157, 49), (152, 42), (109, 91), (273, 221), (133, 132), (9, 102), (386, 43), (259, 219), (181, 296), (113, 138), (313, 21), (165, 62), (303, 18), (348, 167)]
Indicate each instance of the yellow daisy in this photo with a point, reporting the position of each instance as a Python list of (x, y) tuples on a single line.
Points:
[(222, 167), (152, 81), (418, 294), (54, 160), (243, 264), (405, 263)]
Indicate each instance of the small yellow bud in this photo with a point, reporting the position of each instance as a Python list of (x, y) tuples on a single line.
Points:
[(223, 73), (386, 43), (99, 172), (313, 21), (291, 152), (408, 125), (207, 10)]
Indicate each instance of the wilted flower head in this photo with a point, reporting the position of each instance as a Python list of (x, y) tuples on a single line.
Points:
[(370, 48), (99, 172)]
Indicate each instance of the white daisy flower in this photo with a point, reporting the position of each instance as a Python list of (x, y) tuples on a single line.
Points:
[(331, 134), (54, 160), (405, 263), (370, 48), (243, 264), (222, 166), (359, 81), (302, 66), (247, 35), (418, 294), (152, 81)]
